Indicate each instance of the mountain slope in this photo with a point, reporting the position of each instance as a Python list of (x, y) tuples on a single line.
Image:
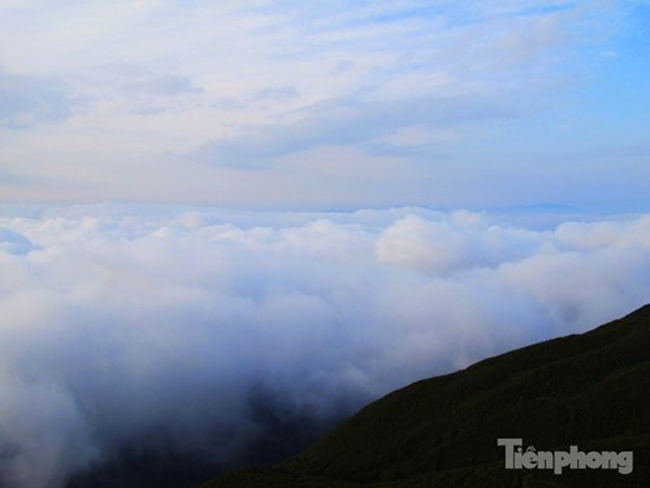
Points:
[(591, 390)]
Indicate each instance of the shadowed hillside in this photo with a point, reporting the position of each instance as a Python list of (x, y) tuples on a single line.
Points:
[(591, 390)]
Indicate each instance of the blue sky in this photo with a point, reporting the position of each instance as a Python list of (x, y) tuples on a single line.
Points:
[(325, 105)]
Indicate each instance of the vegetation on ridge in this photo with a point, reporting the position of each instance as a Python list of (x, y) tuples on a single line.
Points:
[(590, 390)]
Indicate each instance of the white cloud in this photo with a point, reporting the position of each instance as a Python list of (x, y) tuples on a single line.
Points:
[(116, 320), (43, 446)]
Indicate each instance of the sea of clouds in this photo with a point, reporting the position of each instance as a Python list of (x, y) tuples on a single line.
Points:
[(118, 320)]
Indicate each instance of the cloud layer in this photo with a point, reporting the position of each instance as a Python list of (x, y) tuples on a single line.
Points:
[(115, 322)]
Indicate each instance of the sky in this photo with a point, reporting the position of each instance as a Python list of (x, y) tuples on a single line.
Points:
[(327, 105)]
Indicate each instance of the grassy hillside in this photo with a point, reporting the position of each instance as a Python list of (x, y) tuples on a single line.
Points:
[(590, 390)]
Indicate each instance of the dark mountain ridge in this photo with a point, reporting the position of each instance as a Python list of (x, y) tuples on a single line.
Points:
[(591, 390)]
